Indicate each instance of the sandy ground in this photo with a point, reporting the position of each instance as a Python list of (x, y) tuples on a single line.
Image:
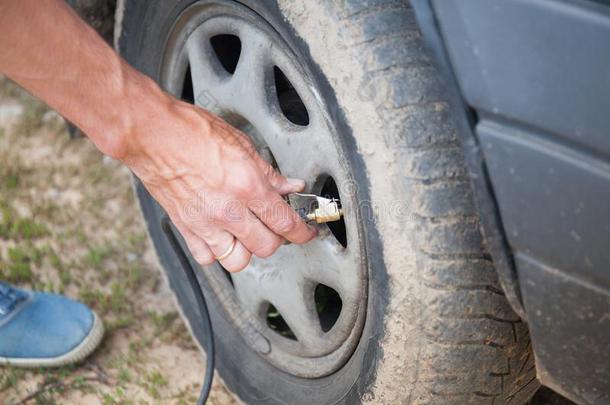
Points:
[(69, 224)]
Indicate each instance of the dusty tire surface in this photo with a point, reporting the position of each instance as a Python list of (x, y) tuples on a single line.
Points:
[(438, 328)]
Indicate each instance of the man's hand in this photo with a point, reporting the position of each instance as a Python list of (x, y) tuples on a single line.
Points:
[(213, 184), (205, 173)]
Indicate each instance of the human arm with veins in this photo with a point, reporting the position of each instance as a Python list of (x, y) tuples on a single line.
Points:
[(205, 174)]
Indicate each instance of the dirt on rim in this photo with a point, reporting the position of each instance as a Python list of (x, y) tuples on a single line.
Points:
[(69, 224)]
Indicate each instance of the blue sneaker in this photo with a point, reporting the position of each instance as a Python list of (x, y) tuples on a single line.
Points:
[(45, 330)]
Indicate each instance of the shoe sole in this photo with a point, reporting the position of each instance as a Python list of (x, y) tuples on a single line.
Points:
[(77, 354)]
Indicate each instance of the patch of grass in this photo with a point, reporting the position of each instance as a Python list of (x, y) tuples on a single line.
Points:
[(117, 398), (31, 117), (18, 254), (49, 286), (137, 241), (20, 272), (10, 376), (154, 381), (27, 253), (80, 383), (61, 372), (10, 181), (19, 267), (81, 236), (182, 336), (47, 210), (55, 260), (56, 383), (109, 399), (168, 328), (123, 376), (12, 90), (134, 350), (97, 255), (93, 298), (162, 322), (65, 277), (28, 228), (13, 172), (115, 302), (134, 275), (12, 227), (6, 219), (122, 322), (46, 398), (96, 174)]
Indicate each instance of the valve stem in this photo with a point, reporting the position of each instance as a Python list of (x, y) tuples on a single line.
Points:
[(327, 213), (311, 207)]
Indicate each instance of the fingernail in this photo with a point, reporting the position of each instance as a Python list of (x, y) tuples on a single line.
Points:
[(297, 184)]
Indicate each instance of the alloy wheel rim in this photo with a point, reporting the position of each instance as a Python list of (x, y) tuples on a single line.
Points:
[(276, 302)]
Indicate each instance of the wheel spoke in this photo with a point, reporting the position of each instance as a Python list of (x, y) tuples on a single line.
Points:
[(247, 85), (304, 157), (280, 283), (298, 308), (209, 83), (322, 260), (251, 298), (331, 265), (301, 151)]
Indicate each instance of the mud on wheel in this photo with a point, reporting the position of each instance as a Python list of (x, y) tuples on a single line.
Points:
[(398, 303)]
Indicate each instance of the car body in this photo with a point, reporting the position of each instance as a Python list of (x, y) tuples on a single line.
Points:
[(531, 80)]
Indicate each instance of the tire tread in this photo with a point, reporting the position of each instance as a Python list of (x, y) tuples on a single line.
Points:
[(467, 320)]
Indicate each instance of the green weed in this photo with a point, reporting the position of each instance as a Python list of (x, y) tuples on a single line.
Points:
[(19, 267), (92, 298), (10, 181), (28, 228), (117, 302), (12, 227), (154, 381), (122, 322), (162, 322), (10, 376), (124, 376), (97, 255)]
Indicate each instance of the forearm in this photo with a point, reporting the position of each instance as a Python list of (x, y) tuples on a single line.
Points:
[(47, 49), (181, 153)]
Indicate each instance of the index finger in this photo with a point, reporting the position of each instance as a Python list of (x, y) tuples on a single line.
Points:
[(275, 212)]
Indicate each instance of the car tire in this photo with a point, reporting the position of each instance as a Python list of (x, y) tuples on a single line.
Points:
[(438, 328)]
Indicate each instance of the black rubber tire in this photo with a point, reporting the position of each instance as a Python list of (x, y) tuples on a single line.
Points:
[(438, 327)]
